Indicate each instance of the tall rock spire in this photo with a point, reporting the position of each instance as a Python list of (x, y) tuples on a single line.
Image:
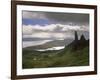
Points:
[(76, 36), (82, 38)]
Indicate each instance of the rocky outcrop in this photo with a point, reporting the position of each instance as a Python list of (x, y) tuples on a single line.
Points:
[(79, 44)]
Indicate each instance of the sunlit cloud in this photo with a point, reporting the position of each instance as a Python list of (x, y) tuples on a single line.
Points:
[(53, 31)]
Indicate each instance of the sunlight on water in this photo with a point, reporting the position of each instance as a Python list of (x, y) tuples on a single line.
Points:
[(53, 48)]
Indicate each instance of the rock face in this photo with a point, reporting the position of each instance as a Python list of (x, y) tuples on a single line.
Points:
[(79, 44), (82, 38), (76, 36)]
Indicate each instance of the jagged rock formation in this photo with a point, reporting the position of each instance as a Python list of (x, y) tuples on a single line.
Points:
[(76, 36), (79, 44), (82, 38)]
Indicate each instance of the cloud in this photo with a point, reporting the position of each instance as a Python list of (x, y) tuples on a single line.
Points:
[(69, 17), (29, 29), (53, 28), (58, 17), (76, 28), (52, 31), (33, 15)]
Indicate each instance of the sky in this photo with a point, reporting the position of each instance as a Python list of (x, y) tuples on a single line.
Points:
[(48, 26)]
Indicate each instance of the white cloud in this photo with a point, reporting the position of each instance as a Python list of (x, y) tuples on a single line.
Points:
[(34, 28), (53, 28), (55, 31), (76, 27), (27, 29)]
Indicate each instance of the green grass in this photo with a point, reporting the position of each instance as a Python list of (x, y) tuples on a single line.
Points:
[(62, 58)]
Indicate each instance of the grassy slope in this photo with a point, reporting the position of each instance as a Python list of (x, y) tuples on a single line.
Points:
[(62, 58)]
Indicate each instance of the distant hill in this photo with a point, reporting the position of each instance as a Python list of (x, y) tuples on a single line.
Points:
[(51, 44), (75, 44)]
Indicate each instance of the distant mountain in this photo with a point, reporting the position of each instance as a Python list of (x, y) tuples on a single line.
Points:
[(55, 43)]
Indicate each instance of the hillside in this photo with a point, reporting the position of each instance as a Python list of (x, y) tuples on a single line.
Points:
[(74, 54), (50, 44), (59, 58)]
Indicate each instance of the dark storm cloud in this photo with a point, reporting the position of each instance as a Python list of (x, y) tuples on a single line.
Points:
[(68, 17), (58, 17)]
